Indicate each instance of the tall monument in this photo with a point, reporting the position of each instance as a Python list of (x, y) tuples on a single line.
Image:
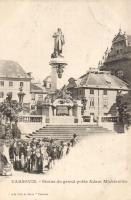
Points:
[(57, 61)]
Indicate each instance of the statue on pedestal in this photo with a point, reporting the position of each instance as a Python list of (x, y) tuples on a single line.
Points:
[(57, 59), (58, 43)]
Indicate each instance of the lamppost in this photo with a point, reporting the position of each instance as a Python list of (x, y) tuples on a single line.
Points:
[(21, 95)]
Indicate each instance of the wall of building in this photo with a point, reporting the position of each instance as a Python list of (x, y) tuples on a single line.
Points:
[(123, 65), (119, 58), (98, 103), (35, 97), (13, 86), (102, 103)]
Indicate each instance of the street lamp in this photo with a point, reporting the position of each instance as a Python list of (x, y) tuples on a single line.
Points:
[(21, 95)]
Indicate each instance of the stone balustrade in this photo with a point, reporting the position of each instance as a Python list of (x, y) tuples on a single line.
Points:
[(39, 119), (30, 119), (109, 122), (109, 119)]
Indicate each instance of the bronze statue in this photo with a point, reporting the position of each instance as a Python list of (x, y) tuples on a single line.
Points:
[(58, 43)]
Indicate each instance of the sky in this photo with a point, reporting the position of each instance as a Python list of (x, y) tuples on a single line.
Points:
[(27, 26)]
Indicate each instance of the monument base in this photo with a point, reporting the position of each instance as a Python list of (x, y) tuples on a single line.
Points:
[(61, 120), (58, 64), (58, 61)]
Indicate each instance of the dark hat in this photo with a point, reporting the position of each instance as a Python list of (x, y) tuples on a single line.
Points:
[(74, 135)]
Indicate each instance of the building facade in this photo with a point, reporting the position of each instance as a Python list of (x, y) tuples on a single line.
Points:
[(12, 78), (97, 90), (117, 59)]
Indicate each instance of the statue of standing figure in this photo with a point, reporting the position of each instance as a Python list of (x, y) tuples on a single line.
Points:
[(58, 43)]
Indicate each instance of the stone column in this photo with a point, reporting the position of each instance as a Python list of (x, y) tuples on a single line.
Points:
[(50, 112), (54, 111), (53, 79), (99, 121), (70, 112), (91, 119), (79, 105), (43, 120)]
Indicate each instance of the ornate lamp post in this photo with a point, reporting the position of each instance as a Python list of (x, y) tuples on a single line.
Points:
[(21, 95)]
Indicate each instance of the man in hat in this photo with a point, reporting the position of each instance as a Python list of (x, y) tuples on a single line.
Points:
[(74, 140)]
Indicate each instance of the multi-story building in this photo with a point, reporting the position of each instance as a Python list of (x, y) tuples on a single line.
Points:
[(38, 95), (117, 59), (98, 91), (12, 78)]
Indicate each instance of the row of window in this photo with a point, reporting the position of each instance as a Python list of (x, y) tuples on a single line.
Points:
[(11, 83), (104, 92), (119, 51), (40, 97), (94, 114), (92, 102), (2, 94), (92, 92)]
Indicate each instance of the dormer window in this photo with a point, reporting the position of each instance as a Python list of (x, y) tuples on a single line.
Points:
[(120, 73)]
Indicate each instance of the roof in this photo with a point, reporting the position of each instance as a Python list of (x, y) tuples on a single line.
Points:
[(9, 68), (129, 40), (122, 36), (100, 79), (36, 89), (48, 79)]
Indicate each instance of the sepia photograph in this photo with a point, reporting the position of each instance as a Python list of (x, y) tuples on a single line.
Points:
[(65, 100)]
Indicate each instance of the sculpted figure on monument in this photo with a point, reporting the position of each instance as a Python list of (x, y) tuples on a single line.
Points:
[(58, 43)]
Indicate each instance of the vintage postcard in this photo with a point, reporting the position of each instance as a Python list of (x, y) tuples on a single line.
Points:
[(65, 100)]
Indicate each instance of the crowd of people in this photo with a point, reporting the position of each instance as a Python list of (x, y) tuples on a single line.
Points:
[(35, 155)]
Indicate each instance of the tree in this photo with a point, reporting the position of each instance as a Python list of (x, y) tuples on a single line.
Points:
[(123, 103), (9, 110)]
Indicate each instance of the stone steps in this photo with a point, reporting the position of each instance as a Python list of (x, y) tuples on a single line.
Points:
[(65, 132), (69, 132)]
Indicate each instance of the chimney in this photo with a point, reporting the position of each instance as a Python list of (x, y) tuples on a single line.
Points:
[(29, 74)]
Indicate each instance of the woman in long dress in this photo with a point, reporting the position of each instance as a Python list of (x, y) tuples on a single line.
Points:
[(22, 161), (33, 161), (5, 164), (45, 158), (39, 159)]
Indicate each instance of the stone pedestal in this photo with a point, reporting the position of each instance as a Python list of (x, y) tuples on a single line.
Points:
[(91, 119), (53, 79), (79, 106), (55, 112), (99, 121), (70, 112), (50, 113), (58, 64)]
